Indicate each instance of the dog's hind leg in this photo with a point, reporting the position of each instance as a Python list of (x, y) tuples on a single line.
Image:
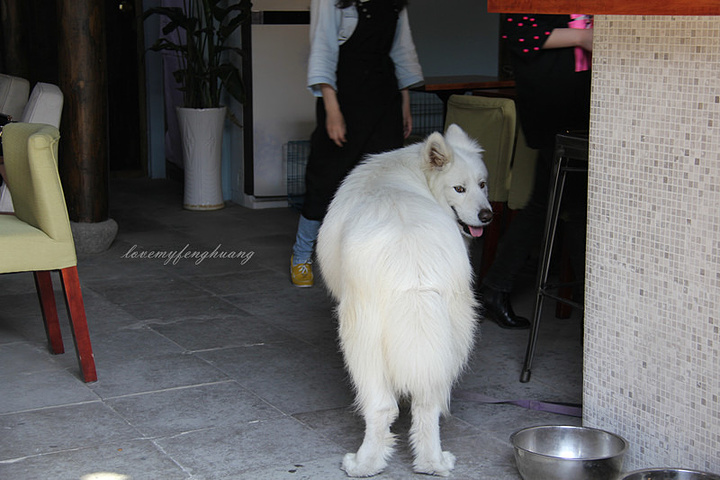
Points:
[(375, 398), (425, 439), (371, 458)]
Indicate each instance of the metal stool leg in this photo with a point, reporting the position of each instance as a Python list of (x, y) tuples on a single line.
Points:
[(553, 213)]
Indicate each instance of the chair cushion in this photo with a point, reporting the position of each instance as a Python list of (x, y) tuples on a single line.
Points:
[(24, 248), (522, 176), (492, 122), (39, 236)]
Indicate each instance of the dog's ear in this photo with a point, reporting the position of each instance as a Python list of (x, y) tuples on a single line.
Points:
[(455, 134), (436, 152)]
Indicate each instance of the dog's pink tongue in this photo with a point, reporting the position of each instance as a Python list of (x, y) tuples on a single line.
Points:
[(476, 231)]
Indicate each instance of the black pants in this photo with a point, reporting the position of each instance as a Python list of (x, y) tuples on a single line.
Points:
[(373, 129), (528, 227)]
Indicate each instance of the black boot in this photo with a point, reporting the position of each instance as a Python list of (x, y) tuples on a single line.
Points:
[(497, 307)]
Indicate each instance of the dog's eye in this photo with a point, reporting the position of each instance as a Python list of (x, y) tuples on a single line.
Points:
[(482, 184), (459, 189)]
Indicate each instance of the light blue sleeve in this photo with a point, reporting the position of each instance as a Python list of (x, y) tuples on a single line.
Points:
[(324, 46), (407, 66)]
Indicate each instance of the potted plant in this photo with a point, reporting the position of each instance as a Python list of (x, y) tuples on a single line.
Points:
[(203, 29)]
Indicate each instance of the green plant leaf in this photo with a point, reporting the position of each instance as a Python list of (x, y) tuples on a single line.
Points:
[(205, 71)]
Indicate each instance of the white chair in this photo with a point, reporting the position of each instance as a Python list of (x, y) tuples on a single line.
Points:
[(14, 93), (44, 106)]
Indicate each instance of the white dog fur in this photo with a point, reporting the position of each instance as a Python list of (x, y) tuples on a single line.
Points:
[(393, 255)]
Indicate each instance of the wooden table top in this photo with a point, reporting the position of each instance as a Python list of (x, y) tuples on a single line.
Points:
[(463, 82)]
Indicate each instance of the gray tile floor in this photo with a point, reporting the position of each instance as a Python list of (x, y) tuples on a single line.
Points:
[(220, 369)]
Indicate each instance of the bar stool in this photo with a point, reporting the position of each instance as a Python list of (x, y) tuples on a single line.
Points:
[(571, 155)]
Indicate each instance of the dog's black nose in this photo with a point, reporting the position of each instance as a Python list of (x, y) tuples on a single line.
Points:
[(485, 215)]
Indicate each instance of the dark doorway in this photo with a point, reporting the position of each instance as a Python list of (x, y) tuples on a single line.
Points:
[(126, 79), (23, 22)]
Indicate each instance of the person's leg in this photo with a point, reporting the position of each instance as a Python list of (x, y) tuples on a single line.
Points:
[(301, 273), (327, 166), (305, 240), (522, 236)]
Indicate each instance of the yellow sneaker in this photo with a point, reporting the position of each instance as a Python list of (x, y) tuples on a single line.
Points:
[(301, 274)]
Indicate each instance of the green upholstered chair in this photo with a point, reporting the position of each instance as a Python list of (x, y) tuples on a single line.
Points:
[(38, 237), (492, 121)]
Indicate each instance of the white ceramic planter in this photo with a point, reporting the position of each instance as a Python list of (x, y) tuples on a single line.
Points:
[(201, 132)]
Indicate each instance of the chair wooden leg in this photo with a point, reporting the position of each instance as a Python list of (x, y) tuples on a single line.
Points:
[(43, 285), (78, 322)]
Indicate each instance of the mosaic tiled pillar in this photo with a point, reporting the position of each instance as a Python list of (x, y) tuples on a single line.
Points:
[(652, 340)]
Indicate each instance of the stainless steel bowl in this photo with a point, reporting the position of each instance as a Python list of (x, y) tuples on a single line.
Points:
[(669, 474), (568, 453)]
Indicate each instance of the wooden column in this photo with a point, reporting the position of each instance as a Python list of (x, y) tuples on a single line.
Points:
[(83, 80)]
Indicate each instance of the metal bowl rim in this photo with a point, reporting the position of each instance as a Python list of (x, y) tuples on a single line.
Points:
[(666, 469), (620, 453)]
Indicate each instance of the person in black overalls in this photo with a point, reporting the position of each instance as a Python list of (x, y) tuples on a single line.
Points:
[(370, 110)]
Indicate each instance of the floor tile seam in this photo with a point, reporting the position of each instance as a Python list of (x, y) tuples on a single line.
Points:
[(241, 473), (548, 388), (296, 337), (228, 347), (202, 282), (560, 396), (55, 367), (279, 342), (171, 389), (221, 296), (268, 401), (447, 418), (53, 407), (320, 431), (160, 275), (234, 426), (109, 278), (149, 322), (170, 457), (63, 451), (35, 345), (151, 302), (486, 435), (258, 267)]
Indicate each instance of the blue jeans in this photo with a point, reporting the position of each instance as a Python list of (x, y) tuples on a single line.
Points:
[(307, 233)]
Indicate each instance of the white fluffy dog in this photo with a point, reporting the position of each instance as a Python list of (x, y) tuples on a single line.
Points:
[(393, 255)]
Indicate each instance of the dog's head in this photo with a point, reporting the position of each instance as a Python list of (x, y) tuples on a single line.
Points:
[(458, 178)]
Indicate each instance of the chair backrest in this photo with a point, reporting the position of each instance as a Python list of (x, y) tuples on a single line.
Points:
[(30, 152), (44, 106), (492, 122), (14, 93), (522, 179)]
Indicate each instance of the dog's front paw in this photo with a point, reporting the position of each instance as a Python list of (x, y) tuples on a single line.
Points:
[(355, 468), (441, 468)]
